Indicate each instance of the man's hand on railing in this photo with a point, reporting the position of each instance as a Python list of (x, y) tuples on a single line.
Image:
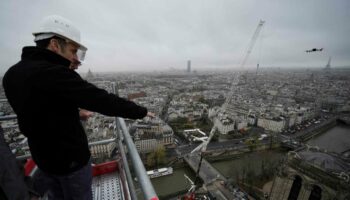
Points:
[(85, 114), (151, 114)]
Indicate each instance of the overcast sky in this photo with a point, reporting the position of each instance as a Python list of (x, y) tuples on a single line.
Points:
[(132, 35)]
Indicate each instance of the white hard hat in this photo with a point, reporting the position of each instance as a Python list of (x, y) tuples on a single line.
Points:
[(55, 25)]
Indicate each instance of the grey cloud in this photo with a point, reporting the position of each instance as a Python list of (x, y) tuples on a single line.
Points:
[(157, 34)]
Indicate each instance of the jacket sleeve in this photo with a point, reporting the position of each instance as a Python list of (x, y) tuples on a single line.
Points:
[(67, 84)]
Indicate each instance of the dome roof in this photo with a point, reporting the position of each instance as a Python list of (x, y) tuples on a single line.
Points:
[(325, 161)]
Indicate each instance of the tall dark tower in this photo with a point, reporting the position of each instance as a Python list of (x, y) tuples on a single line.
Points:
[(328, 66), (188, 66)]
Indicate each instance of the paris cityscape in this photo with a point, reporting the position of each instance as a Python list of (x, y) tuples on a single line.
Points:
[(246, 100), (272, 130)]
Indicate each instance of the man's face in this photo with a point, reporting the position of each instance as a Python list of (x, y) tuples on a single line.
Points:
[(70, 52)]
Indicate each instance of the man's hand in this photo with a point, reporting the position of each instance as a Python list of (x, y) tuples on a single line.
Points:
[(85, 114), (151, 114)]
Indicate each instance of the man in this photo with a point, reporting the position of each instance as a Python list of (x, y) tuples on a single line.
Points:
[(46, 94)]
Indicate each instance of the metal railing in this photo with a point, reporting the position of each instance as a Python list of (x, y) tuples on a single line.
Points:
[(141, 174), (139, 168)]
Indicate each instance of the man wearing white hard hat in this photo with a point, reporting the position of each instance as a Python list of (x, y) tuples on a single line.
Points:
[(46, 96), (62, 28)]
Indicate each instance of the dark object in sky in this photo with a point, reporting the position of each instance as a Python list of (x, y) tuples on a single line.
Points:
[(313, 50)]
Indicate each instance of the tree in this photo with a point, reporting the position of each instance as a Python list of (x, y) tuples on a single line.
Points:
[(252, 143), (157, 157)]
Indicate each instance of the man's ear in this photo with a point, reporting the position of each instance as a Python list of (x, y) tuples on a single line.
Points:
[(53, 45)]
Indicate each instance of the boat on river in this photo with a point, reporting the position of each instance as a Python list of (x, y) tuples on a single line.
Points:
[(160, 172)]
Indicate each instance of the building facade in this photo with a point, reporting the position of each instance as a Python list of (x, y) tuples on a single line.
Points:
[(150, 135)]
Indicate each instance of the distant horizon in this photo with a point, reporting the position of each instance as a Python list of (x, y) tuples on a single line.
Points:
[(219, 69)]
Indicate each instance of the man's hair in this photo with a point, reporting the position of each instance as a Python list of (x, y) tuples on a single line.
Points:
[(45, 42)]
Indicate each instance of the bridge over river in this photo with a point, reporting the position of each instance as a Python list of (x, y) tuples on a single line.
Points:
[(214, 181), (207, 172)]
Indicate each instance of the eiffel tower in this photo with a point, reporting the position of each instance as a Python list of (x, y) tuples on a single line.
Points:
[(328, 66)]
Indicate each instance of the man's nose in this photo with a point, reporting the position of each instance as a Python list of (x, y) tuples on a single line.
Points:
[(75, 57)]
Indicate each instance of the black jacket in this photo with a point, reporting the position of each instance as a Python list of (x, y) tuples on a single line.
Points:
[(45, 94)]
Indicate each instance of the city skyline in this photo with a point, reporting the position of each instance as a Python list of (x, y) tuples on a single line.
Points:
[(269, 122), (157, 35)]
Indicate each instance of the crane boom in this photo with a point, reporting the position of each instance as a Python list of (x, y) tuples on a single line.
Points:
[(252, 42), (250, 47)]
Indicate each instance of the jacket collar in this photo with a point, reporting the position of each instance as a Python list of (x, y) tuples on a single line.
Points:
[(36, 53)]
